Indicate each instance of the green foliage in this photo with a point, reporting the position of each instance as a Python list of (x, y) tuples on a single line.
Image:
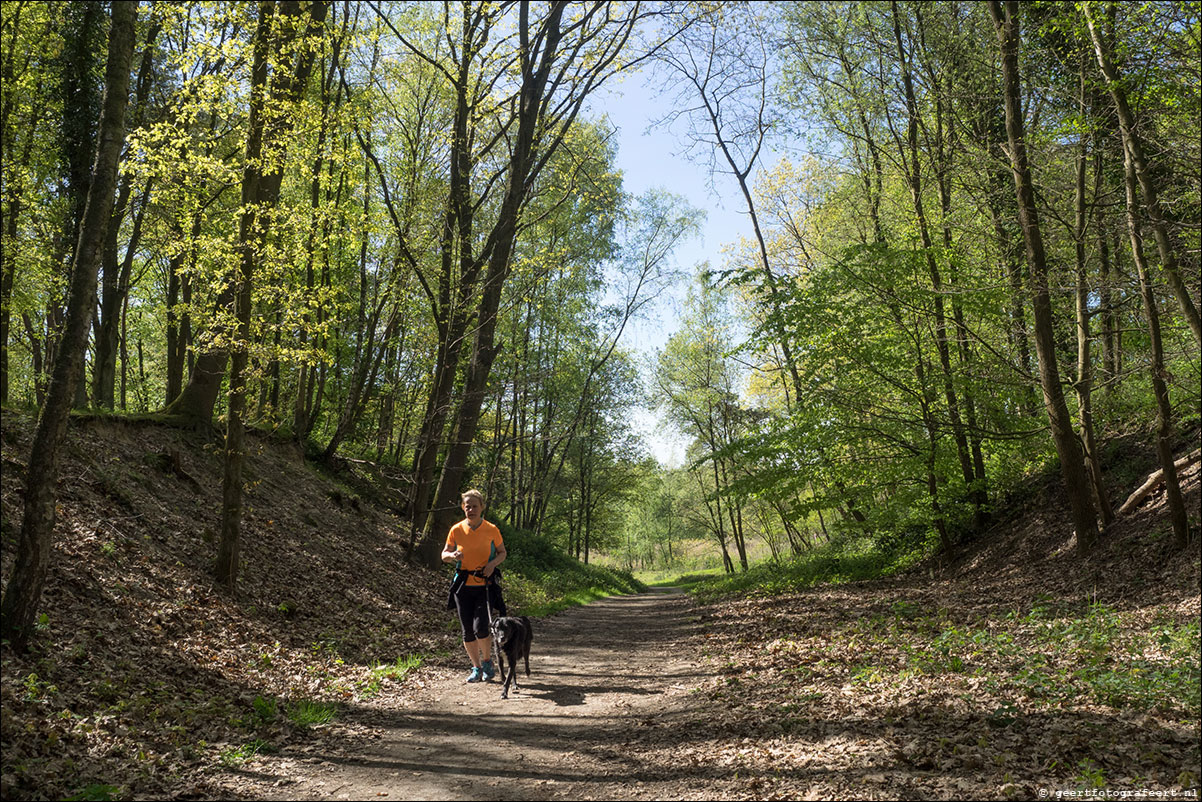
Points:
[(37, 689), (396, 671), (98, 792), (235, 756), (306, 712), (539, 579), (833, 563), (265, 709)]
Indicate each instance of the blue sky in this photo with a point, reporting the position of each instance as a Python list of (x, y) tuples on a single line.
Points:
[(651, 159)]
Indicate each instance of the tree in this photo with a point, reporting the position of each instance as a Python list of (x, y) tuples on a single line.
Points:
[(1164, 411), (1071, 466), (562, 57), (283, 59), (27, 31), (1134, 147), (725, 63), (24, 589), (117, 270)]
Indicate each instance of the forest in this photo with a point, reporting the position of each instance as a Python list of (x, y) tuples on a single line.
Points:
[(394, 238)]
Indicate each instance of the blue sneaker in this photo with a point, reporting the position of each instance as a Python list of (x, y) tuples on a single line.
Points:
[(475, 676), (488, 670)]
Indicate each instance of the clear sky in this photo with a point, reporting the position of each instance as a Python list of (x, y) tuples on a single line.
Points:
[(651, 159)]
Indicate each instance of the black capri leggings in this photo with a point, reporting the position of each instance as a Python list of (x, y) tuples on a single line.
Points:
[(472, 603)]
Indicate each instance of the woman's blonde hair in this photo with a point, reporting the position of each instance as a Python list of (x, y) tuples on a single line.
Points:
[(476, 494)]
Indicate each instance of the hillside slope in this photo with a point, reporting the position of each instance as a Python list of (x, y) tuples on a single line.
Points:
[(146, 674)]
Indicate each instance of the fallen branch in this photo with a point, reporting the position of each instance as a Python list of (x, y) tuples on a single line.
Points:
[(1154, 479)]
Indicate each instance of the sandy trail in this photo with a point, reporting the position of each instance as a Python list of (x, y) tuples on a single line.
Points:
[(598, 674)]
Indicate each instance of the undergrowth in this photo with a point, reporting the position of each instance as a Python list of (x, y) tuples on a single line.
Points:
[(539, 579), (832, 563), (1051, 655)]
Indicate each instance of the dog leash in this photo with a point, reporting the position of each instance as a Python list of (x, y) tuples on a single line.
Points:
[(492, 634)]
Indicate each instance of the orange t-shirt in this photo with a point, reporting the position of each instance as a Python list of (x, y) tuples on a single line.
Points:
[(476, 544)]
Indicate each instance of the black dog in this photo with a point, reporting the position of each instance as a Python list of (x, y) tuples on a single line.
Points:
[(512, 636)]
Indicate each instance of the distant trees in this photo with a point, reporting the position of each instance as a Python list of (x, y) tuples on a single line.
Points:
[(699, 385)]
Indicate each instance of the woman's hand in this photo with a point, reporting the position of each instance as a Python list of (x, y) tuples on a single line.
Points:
[(495, 561)]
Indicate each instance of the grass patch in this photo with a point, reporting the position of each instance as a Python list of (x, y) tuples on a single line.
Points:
[(307, 713), (833, 563), (672, 579), (1052, 656), (396, 671), (237, 755)]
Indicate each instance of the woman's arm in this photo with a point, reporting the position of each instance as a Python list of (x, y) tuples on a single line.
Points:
[(495, 561)]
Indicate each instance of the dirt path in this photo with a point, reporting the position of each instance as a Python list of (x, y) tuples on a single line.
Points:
[(598, 673)]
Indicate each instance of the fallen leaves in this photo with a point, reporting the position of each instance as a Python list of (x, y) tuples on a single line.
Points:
[(146, 672)]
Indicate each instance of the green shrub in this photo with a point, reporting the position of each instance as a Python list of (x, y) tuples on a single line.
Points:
[(540, 579), (305, 712), (835, 562)]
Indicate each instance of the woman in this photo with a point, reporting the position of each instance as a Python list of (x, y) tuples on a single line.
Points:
[(477, 547)]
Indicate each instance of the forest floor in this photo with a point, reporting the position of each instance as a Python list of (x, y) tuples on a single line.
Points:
[(1017, 670), (847, 692)]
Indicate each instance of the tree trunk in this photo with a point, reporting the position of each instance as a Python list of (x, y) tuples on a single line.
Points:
[(1076, 481), (484, 352), (1084, 384), (914, 180), (1164, 410), (196, 402), (261, 180), (24, 589), (115, 276), (1134, 150)]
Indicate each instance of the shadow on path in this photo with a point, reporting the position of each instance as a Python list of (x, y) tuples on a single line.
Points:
[(598, 673)]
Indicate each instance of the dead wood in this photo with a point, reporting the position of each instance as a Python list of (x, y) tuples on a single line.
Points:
[(1155, 479)]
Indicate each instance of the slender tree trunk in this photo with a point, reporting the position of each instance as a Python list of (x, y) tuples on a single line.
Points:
[(1084, 384), (179, 295), (1164, 410), (914, 180), (261, 180), (1076, 482), (979, 491), (1105, 297), (24, 589), (1134, 150), (115, 276), (249, 240)]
